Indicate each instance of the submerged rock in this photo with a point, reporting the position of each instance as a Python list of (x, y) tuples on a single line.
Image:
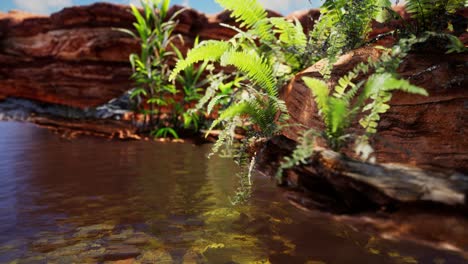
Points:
[(192, 257), (139, 239), (119, 252), (155, 256), (49, 244), (93, 230)]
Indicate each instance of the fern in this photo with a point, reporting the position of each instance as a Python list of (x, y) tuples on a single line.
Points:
[(379, 88), (333, 110), (291, 34), (266, 53), (302, 152), (256, 68), (226, 136), (424, 11), (338, 110), (231, 112), (248, 12), (344, 25), (210, 50)]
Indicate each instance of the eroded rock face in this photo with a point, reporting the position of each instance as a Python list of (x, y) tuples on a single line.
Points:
[(75, 57), (423, 131)]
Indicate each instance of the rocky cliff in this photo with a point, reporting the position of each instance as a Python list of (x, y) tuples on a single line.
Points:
[(76, 57)]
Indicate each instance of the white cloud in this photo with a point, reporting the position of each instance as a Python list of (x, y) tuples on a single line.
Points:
[(186, 3), (134, 2), (42, 6), (288, 5)]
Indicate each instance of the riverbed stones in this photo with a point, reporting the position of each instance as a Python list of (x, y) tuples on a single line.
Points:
[(155, 256), (193, 257), (47, 244), (121, 251), (124, 234), (93, 231)]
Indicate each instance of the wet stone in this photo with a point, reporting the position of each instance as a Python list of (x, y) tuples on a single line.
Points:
[(93, 230), (125, 234), (71, 250), (49, 244), (122, 261), (138, 239), (155, 256), (93, 253), (192, 257), (119, 252)]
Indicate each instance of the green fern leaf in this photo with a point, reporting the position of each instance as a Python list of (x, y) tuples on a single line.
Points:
[(248, 12), (338, 115), (291, 34), (229, 113), (388, 82), (210, 50), (214, 101), (255, 67), (321, 92)]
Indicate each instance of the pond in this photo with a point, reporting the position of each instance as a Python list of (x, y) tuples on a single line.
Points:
[(91, 200)]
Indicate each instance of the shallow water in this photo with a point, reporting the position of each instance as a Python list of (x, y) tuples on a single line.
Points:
[(90, 200)]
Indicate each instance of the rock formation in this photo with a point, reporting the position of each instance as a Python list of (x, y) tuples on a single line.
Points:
[(76, 57)]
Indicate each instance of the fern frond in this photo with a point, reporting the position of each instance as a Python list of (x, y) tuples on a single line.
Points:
[(213, 102), (263, 29), (320, 93), (303, 151), (425, 10), (338, 115), (248, 12), (291, 34), (226, 137), (387, 82), (255, 67), (229, 113), (379, 87), (210, 50)]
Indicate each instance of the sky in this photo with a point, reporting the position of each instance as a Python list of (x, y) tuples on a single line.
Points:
[(206, 6)]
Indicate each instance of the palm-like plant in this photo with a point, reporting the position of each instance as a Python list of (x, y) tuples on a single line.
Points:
[(154, 30)]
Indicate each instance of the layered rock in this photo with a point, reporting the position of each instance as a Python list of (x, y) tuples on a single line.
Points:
[(76, 57)]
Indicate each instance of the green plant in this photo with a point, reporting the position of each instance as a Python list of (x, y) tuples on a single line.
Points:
[(266, 54), (344, 25), (164, 132), (424, 12), (244, 190), (339, 107), (303, 151), (154, 30), (191, 82)]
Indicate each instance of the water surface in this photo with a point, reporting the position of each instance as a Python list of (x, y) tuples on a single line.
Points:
[(90, 200)]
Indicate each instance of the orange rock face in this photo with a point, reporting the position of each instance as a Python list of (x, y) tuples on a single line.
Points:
[(76, 57)]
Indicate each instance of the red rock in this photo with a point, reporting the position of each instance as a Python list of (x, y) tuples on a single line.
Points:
[(75, 57)]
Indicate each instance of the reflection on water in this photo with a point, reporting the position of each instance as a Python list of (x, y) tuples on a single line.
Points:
[(90, 200)]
